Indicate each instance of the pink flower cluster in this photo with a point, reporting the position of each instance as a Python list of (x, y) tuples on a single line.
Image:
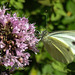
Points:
[(16, 37)]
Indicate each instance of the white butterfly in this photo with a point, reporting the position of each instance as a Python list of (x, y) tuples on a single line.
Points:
[(60, 45)]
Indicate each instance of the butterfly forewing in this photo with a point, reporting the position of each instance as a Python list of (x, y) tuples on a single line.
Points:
[(56, 45), (67, 37)]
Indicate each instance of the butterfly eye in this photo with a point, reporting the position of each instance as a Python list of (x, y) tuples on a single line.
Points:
[(44, 33), (73, 42)]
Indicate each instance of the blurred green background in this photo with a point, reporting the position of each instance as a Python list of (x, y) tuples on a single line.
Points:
[(51, 15)]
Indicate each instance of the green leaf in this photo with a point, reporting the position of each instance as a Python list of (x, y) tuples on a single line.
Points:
[(59, 73), (18, 73), (49, 27), (71, 26), (59, 66), (58, 5), (55, 18), (62, 27), (59, 11), (33, 71), (42, 56), (71, 6), (47, 70), (68, 19), (18, 5), (3, 2), (58, 8), (12, 2), (21, 1), (44, 2)]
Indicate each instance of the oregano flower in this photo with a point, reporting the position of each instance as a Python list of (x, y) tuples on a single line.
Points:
[(16, 36)]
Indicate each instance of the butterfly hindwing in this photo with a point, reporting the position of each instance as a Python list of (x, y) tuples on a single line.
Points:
[(53, 51)]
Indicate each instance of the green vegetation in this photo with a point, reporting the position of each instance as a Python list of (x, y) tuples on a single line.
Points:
[(51, 15)]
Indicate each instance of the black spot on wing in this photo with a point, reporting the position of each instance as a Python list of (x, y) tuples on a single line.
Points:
[(67, 49), (73, 42)]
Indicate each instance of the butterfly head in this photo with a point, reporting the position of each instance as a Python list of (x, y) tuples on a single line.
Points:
[(44, 33)]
